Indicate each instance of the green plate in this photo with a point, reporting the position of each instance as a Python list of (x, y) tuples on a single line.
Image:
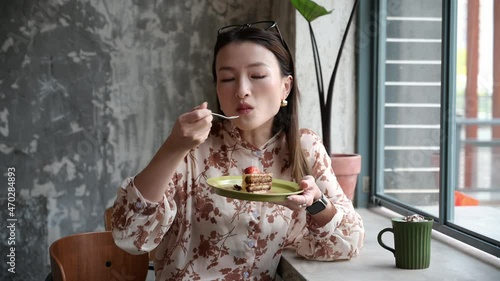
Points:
[(280, 189)]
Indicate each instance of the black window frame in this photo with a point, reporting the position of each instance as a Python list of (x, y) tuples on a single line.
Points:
[(370, 23)]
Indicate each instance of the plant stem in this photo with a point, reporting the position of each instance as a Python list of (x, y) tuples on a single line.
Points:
[(329, 96), (319, 73), (321, 89)]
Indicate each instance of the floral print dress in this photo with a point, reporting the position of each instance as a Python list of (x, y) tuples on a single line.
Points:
[(199, 235)]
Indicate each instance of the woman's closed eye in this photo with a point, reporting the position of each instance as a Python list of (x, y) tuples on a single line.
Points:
[(258, 76), (227, 79)]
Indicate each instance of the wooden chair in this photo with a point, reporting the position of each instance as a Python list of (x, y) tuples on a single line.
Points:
[(94, 256)]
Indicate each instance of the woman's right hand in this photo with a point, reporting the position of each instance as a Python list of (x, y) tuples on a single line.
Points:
[(191, 128)]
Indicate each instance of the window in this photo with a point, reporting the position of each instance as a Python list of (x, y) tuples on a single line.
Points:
[(437, 112)]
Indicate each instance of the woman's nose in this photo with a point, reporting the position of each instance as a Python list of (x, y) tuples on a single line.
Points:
[(242, 89)]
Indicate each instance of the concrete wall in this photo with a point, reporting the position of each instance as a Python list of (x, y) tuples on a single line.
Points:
[(90, 89)]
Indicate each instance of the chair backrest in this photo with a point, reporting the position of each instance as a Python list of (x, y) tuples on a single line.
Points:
[(94, 256)]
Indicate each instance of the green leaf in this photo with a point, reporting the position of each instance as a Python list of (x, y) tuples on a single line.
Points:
[(309, 9)]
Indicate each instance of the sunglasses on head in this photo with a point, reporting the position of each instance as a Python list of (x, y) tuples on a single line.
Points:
[(264, 25)]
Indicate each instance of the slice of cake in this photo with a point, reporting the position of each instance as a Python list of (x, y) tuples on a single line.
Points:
[(254, 181)]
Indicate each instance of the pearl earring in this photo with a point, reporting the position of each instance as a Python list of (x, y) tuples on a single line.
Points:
[(284, 103)]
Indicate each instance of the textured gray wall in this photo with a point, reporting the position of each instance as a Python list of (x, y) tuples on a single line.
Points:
[(88, 92), (90, 89)]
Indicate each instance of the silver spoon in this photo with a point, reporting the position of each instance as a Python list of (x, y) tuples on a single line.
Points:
[(225, 117)]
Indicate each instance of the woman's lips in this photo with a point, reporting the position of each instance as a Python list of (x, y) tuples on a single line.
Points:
[(244, 109)]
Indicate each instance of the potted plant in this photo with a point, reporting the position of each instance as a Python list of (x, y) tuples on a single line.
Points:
[(346, 166)]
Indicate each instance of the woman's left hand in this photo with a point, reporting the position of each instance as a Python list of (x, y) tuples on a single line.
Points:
[(305, 199)]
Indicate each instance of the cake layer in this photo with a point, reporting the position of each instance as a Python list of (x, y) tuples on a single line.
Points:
[(257, 183)]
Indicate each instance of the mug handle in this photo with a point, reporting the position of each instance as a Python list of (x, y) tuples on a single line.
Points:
[(379, 239)]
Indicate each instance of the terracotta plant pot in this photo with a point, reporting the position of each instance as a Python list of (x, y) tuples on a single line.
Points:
[(347, 168)]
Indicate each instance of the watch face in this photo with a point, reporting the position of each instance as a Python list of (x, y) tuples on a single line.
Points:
[(316, 207)]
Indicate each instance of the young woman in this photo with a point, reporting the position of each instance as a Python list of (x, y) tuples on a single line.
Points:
[(199, 235)]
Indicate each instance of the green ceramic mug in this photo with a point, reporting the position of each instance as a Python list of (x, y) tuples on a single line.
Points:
[(412, 243)]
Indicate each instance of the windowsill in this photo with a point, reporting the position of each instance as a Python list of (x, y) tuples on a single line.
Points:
[(450, 259)]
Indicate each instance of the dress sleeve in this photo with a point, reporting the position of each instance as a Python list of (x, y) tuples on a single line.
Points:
[(139, 225), (341, 238)]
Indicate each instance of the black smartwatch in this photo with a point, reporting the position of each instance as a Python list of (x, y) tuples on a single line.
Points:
[(318, 206)]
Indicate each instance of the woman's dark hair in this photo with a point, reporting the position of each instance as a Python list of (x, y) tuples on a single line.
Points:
[(287, 117)]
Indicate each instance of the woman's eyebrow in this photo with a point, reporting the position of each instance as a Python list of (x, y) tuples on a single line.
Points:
[(229, 68), (255, 64)]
